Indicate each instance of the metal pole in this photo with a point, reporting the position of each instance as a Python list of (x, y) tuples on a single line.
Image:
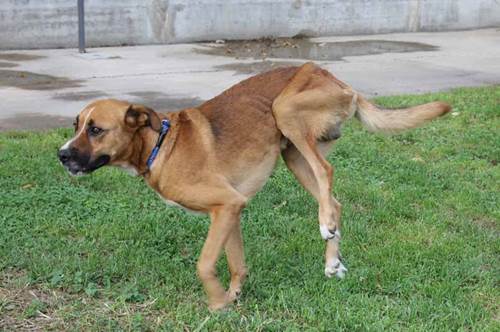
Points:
[(81, 27)]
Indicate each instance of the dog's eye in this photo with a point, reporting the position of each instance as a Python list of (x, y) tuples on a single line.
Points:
[(95, 131), (75, 123)]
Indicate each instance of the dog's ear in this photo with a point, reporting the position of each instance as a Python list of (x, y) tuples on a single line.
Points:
[(138, 116)]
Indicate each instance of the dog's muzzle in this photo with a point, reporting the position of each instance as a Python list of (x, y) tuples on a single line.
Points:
[(80, 164)]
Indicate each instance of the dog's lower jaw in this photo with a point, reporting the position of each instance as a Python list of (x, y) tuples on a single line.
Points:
[(128, 168), (76, 174)]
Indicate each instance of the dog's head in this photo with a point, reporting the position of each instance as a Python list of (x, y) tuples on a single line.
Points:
[(104, 131)]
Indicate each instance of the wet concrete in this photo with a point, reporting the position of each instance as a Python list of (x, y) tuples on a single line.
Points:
[(33, 81), (8, 64), (20, 57), (171, 74), (299, 48), (80, 95), (34, 121), (162, 102), (256, 67)]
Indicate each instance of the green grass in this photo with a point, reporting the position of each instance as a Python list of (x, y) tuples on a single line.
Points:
[(420, 238)]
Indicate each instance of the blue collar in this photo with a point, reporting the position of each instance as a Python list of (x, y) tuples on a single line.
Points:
[(165, 126)]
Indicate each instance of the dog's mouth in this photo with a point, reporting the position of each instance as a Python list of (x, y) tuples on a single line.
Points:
[(76, 169)]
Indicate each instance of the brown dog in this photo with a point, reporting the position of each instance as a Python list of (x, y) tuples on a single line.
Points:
[(215, 157)]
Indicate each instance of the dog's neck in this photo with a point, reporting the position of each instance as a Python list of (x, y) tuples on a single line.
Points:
[(142, 145), (134, 158)]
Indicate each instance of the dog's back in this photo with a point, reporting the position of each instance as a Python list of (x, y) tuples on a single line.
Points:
[(247, 104)]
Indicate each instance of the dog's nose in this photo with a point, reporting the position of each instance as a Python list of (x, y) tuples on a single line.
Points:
[(64, 155)]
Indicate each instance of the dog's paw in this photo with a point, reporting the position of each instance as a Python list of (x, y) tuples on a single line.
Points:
[(329, 233), (335, 267), (218, 306), (233, 294)]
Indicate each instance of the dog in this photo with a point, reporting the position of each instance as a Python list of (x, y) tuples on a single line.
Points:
[(213, 158)]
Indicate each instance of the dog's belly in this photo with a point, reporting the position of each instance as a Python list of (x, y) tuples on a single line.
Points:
[(246, 142), (252, 177), (247, 151)]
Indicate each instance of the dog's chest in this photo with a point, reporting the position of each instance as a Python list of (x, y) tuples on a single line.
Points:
[(175, 204)]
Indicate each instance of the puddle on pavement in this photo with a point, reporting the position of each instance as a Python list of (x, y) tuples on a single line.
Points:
[(256, 67), (33, 81), (8, 64), (299, 48), (163, 102), (20, 57), (80, 95), (34, 121)]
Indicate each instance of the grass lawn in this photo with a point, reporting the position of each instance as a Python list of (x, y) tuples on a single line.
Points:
[(420, 238)]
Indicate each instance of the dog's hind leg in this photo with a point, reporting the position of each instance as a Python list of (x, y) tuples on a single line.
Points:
[(322, 172), (299, 166), (309, 112), (301, 169)]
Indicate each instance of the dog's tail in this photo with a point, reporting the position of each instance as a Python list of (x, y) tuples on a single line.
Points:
[(392, 121)]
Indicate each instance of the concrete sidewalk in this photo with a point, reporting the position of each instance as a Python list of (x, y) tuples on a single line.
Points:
[(47, 88)]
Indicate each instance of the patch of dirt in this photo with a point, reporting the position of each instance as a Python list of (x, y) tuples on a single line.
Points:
[(33, 81), (34, 121), (20, 57), (301, 48), (25, 306), (487, 223), (80, 95), (8, 64)]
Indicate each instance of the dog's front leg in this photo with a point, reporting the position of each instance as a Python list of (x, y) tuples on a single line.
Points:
[(224, 219), (236, 261)]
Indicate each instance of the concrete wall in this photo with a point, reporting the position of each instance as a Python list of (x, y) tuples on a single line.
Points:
[(53, 23)]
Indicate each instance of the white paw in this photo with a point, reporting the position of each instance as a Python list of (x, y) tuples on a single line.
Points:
[(335, 267), (328, 234)]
